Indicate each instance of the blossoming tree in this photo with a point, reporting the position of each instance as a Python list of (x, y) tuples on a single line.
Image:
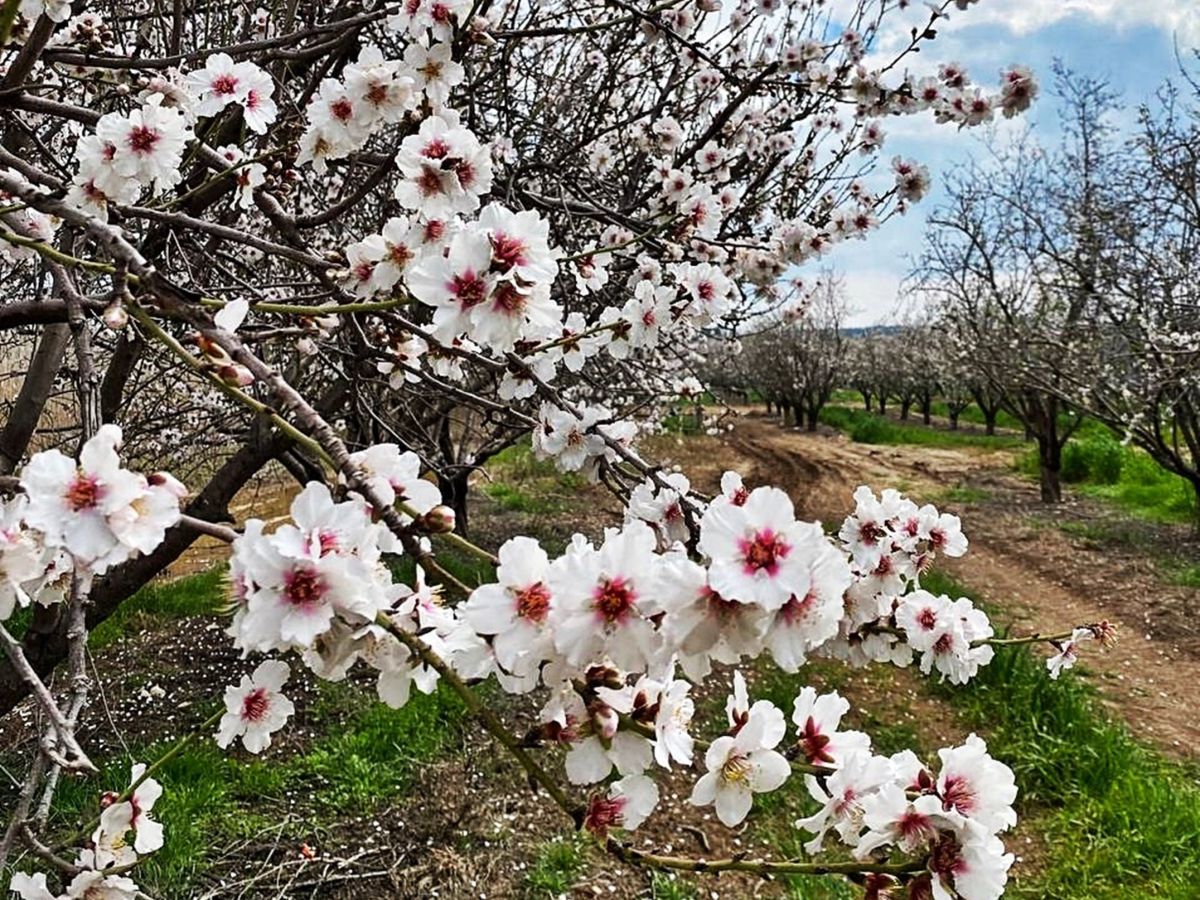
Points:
[(378, 242)]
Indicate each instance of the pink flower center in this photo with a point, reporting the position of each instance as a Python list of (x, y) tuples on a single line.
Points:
[(870, 533), (613, 599), (507, 299), (399, 254), (304, 587), (435, 149), (533, 603), (328, 541), (913, 826), (468, 288), (603, 813), (813, 744), (466, 174), (342, 109), (927, 619), (508, 251), (434, 229), (947, 858), (797, 607), (84, 492), (429, 182), (142, 139), (255, 705), (959, 794), (377, 93), (224, 84), (763, 552)]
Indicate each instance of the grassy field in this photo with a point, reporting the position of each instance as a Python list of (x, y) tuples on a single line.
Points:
[(1094, 461), (1099, 465), (872, 428)]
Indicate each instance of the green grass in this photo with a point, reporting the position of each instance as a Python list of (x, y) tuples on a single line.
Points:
[(974, 415), (1120, 821), (558, 865), (202, 594), (513, 498), (520, 482), (1100, 466), (671, 886), (1187, 576), (683, 423), (363, 755), (963, 493), (871, 428), (192, 595)]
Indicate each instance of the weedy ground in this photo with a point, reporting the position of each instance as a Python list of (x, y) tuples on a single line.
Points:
[(357, 800)]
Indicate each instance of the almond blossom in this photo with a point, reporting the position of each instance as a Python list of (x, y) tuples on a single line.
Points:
[(817, 717), (626, 805), (516, 609), (256, 708), (605, 597), (97, 511), (759, 551), (739, 766), (122, 816)]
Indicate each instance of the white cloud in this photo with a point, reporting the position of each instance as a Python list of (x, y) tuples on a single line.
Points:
[(1022, 17), (872, 294)]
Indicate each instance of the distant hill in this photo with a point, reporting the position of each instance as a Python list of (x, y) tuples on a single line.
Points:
[(867, 330)]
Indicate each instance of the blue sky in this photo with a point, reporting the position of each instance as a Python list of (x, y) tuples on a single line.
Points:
[(1131, 42)]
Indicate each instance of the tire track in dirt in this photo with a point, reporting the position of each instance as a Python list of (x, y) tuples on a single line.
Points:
[(1152, 683)]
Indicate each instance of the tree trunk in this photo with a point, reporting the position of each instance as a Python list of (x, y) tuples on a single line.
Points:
[(905, 406), (789, 415), (1196, 509), (927, 410), (454, 494), (35, 391), (989, 420), (953, 420), (866, 395), (1050, 466), (882, 405), (814, 414)]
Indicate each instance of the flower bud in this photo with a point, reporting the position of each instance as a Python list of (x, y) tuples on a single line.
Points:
[(439, 520), (234, 374), (115, 316)]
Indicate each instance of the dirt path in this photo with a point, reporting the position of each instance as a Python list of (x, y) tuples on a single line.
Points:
[(1151, 678)]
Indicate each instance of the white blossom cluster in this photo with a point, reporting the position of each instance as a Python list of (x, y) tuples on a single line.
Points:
[(126, 833), (79, 517)]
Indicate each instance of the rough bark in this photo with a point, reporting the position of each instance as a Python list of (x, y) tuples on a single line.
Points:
[(31, 400)]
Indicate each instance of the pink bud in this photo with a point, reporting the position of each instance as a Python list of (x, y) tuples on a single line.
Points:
[(239, 376), (439, 520), (115, 316)]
